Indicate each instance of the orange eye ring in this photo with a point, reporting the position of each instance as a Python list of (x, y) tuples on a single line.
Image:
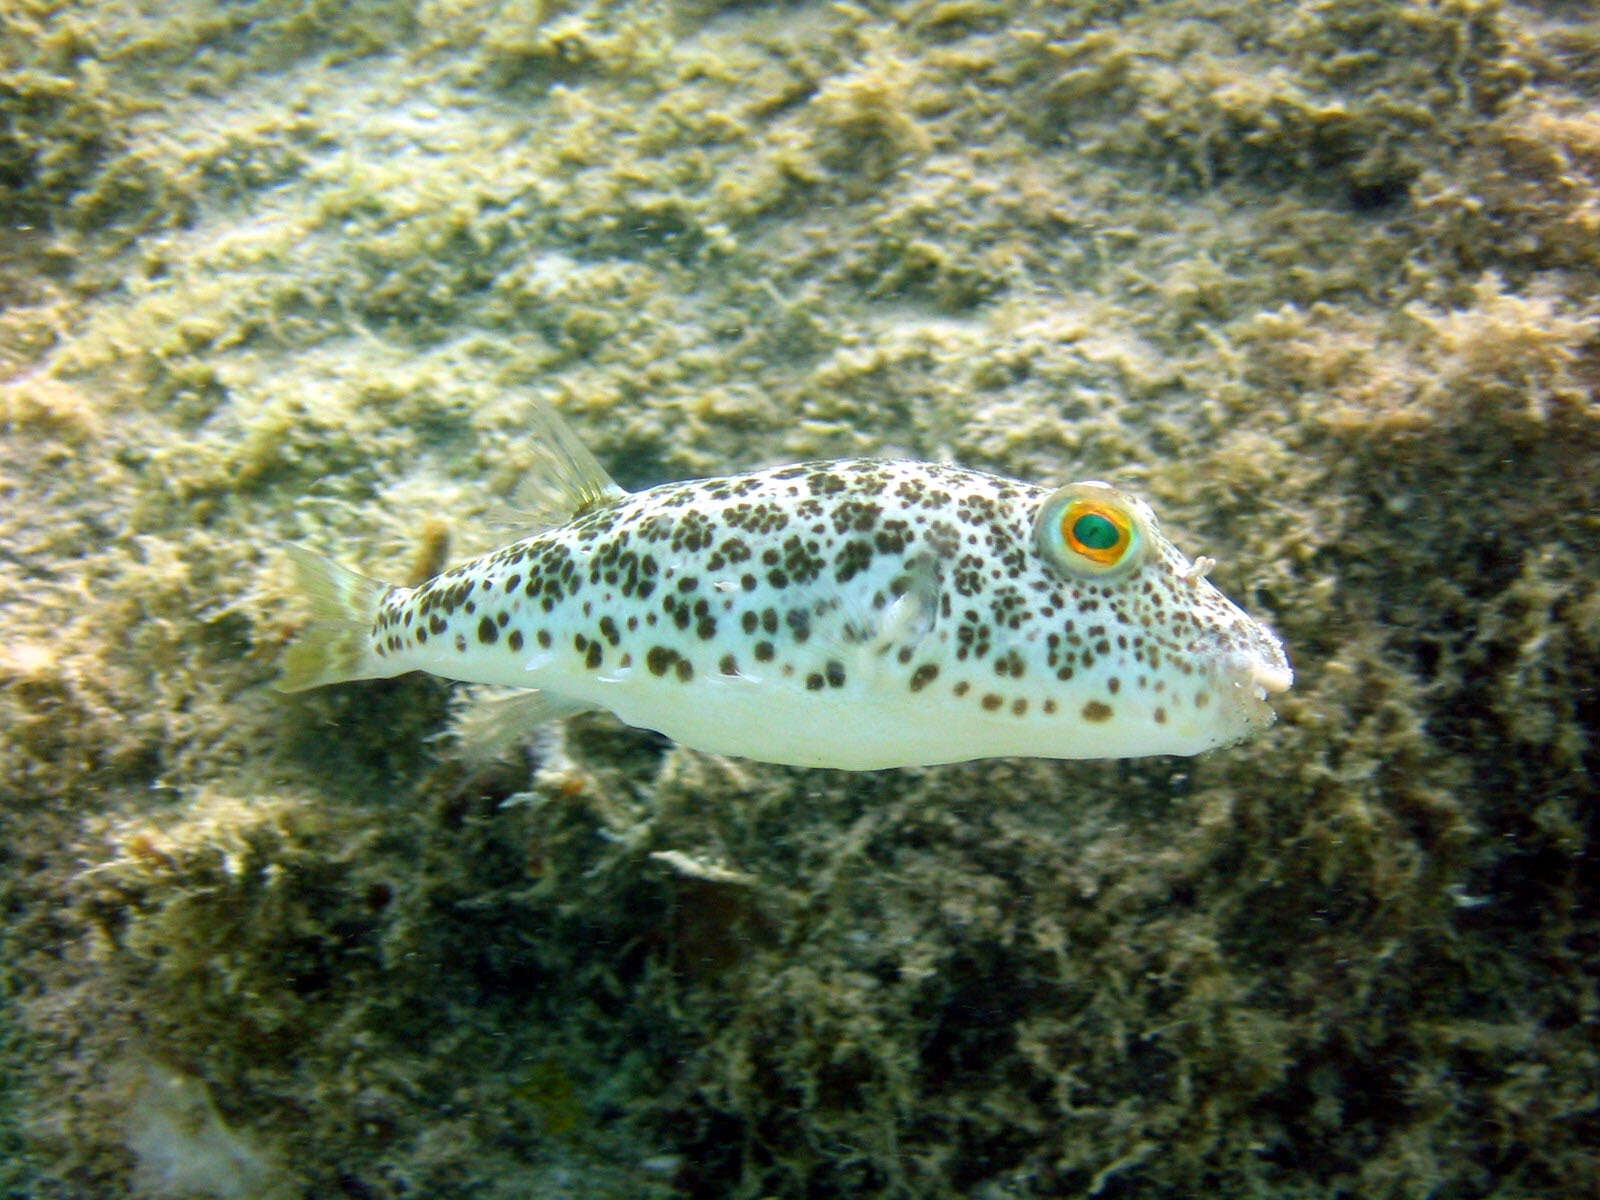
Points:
[(1091, 529), (1098, 532)]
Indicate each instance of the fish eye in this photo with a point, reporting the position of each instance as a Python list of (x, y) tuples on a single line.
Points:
[(1090, 529), (1095, 534)]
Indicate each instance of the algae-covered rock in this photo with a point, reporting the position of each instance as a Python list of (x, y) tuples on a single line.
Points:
[(1319, 280)]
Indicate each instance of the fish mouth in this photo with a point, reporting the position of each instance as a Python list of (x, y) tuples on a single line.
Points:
[(1254, 680), (1268, 678)]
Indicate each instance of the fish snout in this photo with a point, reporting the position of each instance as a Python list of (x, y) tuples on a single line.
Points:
[(1252, 676), (1270, 677)]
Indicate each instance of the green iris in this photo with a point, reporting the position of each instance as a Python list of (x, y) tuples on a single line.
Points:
[(1095, 532)]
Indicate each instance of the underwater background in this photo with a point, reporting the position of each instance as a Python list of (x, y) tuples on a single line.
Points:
[(1320, 280)]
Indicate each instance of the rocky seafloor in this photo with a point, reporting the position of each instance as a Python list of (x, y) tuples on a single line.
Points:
[(1320, 280)]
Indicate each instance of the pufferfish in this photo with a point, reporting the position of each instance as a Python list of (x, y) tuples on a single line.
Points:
[(859, 614)]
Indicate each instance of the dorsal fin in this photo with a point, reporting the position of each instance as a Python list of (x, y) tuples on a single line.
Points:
[(562, 481)]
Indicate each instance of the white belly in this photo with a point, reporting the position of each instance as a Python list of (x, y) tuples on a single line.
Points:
[(781, 721)]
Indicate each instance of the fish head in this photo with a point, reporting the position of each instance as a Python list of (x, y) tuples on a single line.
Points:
[(1165, 662)]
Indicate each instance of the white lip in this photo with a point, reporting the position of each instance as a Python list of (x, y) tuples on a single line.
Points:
[(1271, 677), (1254, 680), (1261, 671)]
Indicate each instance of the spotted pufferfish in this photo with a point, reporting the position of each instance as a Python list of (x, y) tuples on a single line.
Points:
[(859, 614)]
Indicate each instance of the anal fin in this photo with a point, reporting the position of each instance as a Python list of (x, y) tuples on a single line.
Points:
[(489, 722)]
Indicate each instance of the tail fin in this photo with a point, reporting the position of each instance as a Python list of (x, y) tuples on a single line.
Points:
[(337, 645)]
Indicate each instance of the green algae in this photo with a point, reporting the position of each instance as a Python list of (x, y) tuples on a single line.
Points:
[(1319, 280)]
